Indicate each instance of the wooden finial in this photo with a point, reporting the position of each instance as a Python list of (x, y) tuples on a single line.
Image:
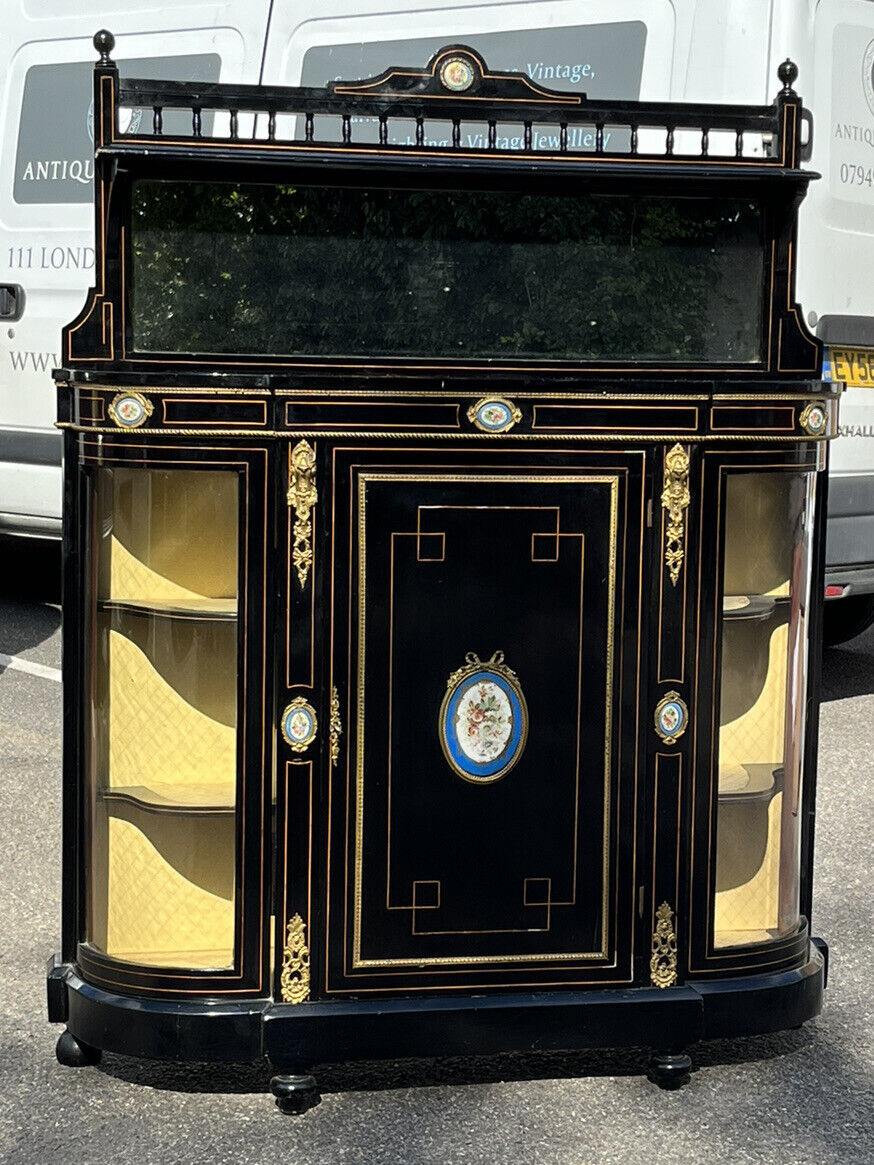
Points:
[(104, 42), (787, 72)]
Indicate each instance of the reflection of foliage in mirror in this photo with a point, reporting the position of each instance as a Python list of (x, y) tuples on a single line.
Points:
[(334, 271)]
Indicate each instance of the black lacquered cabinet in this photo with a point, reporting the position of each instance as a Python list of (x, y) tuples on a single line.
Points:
[(442, 579)]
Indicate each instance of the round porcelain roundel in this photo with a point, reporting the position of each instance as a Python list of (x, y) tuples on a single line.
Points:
[(456, 74), (130, 410), (483, 721)]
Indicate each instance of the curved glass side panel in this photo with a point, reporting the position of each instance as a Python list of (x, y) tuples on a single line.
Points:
[(445, 274), (163, 699), (766, 591)]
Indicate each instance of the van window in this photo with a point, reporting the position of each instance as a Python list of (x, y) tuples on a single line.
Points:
[(55, 157)]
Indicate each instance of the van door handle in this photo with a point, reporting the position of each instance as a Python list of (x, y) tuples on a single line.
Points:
[(11, 301)]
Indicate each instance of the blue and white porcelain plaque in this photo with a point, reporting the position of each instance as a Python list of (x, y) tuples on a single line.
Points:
[(298, 724), (483, 720), (494, 414)]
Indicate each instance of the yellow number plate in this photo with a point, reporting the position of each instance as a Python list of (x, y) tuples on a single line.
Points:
[(855, 366)]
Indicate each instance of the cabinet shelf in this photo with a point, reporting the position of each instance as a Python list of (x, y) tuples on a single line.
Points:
[(206, 610), (762, 782), (193, 799), (750, 608), (214, 960)]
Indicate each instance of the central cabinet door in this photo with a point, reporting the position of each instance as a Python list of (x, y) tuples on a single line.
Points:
[(485, 658)]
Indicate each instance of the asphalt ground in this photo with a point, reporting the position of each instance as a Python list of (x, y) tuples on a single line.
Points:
[(806, 1096)]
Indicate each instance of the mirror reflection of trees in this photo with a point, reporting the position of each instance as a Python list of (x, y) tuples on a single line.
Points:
[(343, 271)]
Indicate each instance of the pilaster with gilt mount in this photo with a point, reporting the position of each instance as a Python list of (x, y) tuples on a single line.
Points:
[(294, 981), (663, 961), (302, 496), (675, 499)]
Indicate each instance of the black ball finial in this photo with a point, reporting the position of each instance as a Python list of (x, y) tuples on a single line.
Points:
[(104, 42), (787, 72)]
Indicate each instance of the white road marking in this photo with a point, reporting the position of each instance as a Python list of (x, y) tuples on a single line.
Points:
[(33, 669)]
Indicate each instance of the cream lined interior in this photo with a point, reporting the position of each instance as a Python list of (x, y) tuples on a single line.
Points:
[(767, 530), (164, 718)]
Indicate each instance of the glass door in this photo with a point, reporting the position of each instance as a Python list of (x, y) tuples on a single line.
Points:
[(765, 605), (164, 740)]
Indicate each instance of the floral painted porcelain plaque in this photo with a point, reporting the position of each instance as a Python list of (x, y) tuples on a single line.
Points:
[(814, 419), (129, 410), (298, 724), (483, 719), (456, 74), (494, 414), (671, 717)]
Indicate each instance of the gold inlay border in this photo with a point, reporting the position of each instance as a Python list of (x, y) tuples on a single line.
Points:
[(752, 413), (301, 431), (527, 478), (193, 400), (554, 536), (351, 984)]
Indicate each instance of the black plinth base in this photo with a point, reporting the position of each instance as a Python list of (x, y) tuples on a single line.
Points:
[(73, 1053), (295, 1038), (670, 1070), (295, 1094)]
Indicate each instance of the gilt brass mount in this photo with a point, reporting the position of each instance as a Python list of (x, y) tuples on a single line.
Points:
[(336, 727), (302, 496), (663, 962), (675, 499), (294, 981)]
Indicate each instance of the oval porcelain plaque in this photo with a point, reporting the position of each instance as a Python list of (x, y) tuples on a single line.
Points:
[(130, 410), (671, 717), (483, 720), (494, 414), (299, 724)]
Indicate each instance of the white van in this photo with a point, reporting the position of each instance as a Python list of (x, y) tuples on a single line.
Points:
[(678, 50), (836, 289), (46, 218)]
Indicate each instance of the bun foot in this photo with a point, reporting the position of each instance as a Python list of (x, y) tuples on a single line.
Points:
[(295, 1095), (73, 1053), (669, 1070)]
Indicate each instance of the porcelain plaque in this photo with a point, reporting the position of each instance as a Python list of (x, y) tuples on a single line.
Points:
[(298, 724), (483, 720)]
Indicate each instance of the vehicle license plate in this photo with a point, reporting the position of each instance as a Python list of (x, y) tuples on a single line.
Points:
[(854, 366)]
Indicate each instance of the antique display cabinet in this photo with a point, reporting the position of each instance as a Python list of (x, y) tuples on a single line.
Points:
[(445, 466)]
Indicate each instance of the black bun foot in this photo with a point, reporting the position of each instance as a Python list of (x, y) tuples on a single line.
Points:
[(295, 1094), (72, 1053), (669, 1070)]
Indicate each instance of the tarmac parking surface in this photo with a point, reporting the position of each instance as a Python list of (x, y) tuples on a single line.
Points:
[(805, 1096)]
